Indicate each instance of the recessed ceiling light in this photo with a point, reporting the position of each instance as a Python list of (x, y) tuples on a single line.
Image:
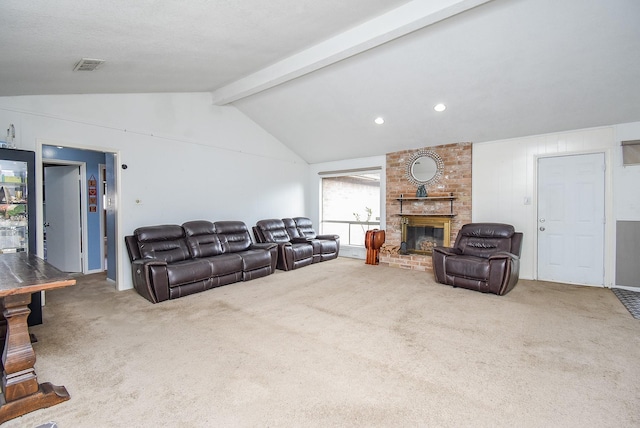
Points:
[(379, 120), (440, 107)]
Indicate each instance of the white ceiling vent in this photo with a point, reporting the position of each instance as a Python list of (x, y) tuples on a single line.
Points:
[(88, 64)]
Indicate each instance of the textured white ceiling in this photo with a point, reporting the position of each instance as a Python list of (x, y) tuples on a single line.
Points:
[(507, 68), (160, 46)]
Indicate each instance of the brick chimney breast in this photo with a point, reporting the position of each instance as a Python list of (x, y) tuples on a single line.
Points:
[(456, 180)]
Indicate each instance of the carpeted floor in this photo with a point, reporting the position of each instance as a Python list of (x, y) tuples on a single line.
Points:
[(630, 300), (337, 344)]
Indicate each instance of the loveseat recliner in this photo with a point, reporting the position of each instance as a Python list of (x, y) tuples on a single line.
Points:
[(485, 257), (171, 261), (325, 247), (298, 243)]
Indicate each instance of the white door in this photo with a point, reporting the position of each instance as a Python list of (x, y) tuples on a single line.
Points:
[(571, 219), (62, 217)]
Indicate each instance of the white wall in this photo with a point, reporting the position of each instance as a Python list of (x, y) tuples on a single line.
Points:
[(504, 174), (315, 188), (187, 159)]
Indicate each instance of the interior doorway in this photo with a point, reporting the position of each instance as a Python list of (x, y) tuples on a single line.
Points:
[(571, 219), (97, 200)]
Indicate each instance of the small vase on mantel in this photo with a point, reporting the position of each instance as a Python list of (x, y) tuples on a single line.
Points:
[(421, 192)]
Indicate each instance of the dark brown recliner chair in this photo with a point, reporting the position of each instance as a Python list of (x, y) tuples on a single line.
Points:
[(485, 257)]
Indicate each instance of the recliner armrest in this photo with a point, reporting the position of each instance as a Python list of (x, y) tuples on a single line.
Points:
[(447, 251), (503, 255)]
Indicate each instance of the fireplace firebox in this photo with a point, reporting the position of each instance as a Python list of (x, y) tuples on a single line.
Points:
[(421, 233)]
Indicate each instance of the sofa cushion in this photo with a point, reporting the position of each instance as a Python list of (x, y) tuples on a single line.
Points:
[(273, 230), (225, 264), (255, 259), (234, 235), (304, 227), (292, 229), (324, 246), (188, 271), (202, 238), (164, 242), (302, 251)]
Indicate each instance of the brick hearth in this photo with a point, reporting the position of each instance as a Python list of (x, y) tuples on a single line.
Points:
[(456, 179)]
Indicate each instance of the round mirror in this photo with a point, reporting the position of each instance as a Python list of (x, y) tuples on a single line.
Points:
[(424, 167)]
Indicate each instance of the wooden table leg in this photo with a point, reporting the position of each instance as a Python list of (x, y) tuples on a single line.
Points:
[(21, 392)]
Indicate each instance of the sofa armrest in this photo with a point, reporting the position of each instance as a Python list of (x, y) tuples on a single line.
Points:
[(263, 246), (150, 279), (285, 256), (330, 237), (132, 247), (301, 240), (272, 247)]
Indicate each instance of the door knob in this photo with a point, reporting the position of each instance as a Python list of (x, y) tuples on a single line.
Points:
[(542, 229), (541, 220)]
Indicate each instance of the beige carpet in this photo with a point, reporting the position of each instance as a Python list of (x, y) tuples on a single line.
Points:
[(340, 343)]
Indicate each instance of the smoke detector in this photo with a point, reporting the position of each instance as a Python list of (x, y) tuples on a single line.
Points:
[(88, 64)]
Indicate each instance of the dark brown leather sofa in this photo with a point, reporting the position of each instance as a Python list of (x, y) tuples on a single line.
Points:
[(298, 243), (171, 261), (485, 257)]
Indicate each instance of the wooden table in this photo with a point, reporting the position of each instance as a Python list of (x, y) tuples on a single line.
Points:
[(20, 275)]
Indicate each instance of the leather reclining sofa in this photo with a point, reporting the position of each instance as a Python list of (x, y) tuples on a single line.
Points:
[(171, 261), (298, 243)]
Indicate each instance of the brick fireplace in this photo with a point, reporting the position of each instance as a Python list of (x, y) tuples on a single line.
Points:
[(448, 202)]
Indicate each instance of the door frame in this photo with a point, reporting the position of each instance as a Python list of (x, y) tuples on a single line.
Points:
[(103, 226), (84, 238), (119, 262), (609, 226)]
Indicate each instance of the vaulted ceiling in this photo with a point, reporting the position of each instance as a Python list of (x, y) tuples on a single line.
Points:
[(315, 74)]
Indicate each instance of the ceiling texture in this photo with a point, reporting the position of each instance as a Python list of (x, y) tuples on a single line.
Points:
[(315, 74)]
